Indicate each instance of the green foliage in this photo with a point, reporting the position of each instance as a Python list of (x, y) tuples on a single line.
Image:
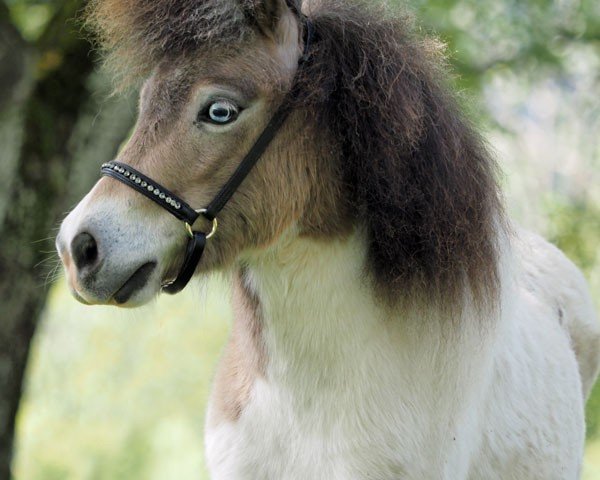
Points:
[(576, 231), (131, 461), (31, 17), (592, 413), (526, 36)]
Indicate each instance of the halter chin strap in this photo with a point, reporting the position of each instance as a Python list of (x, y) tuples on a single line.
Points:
[(183, 211)]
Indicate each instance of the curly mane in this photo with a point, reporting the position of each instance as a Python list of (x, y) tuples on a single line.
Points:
[(417, 172)]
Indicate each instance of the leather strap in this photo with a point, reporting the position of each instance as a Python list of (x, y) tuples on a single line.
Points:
[(249, 161), (259, 147), (151, 189), (193, 254)]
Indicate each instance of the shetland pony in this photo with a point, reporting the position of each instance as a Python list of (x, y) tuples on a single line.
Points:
[(390, 321)]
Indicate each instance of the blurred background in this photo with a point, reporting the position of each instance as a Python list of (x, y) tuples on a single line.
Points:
[(99, 393)]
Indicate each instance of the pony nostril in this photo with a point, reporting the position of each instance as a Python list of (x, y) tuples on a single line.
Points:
[(84, 250)]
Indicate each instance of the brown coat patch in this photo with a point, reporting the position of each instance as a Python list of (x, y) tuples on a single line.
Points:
[(244, 358)]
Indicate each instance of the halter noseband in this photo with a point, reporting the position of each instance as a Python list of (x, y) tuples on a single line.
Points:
[(183, 211)]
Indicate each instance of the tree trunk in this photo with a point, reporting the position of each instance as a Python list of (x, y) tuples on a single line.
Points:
[(16, 81), (44, 128)]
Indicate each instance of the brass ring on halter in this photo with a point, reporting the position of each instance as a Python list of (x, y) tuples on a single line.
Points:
[(215, 226)]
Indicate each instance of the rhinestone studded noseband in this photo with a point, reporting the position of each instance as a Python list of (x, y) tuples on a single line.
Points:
[(184, 212)]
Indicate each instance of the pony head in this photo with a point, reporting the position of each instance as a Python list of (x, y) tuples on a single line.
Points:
[(375, 143)]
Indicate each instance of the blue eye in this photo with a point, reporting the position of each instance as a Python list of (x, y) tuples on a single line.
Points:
[(221, 112)]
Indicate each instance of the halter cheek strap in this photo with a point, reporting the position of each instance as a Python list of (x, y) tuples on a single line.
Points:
[(184, 212)]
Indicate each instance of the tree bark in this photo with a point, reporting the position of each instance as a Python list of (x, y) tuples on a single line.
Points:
[(42, 138), (16, 81)]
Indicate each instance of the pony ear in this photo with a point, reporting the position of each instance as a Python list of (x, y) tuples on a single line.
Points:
[(267, 15)]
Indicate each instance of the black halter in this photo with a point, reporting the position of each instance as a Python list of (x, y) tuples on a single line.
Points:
[(184, 212)]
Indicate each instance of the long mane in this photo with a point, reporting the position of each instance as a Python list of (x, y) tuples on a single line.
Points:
[(417, 172)]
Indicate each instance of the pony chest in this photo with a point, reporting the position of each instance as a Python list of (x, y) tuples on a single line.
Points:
[(325, 383), (331, 416), (293, 435)]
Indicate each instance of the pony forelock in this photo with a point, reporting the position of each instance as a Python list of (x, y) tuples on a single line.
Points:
[(134, 35)]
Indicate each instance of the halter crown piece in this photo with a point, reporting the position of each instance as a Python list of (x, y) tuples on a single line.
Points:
[(183, 211)]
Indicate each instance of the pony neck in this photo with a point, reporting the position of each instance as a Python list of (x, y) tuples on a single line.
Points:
[(315, 312), (315, 305)]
